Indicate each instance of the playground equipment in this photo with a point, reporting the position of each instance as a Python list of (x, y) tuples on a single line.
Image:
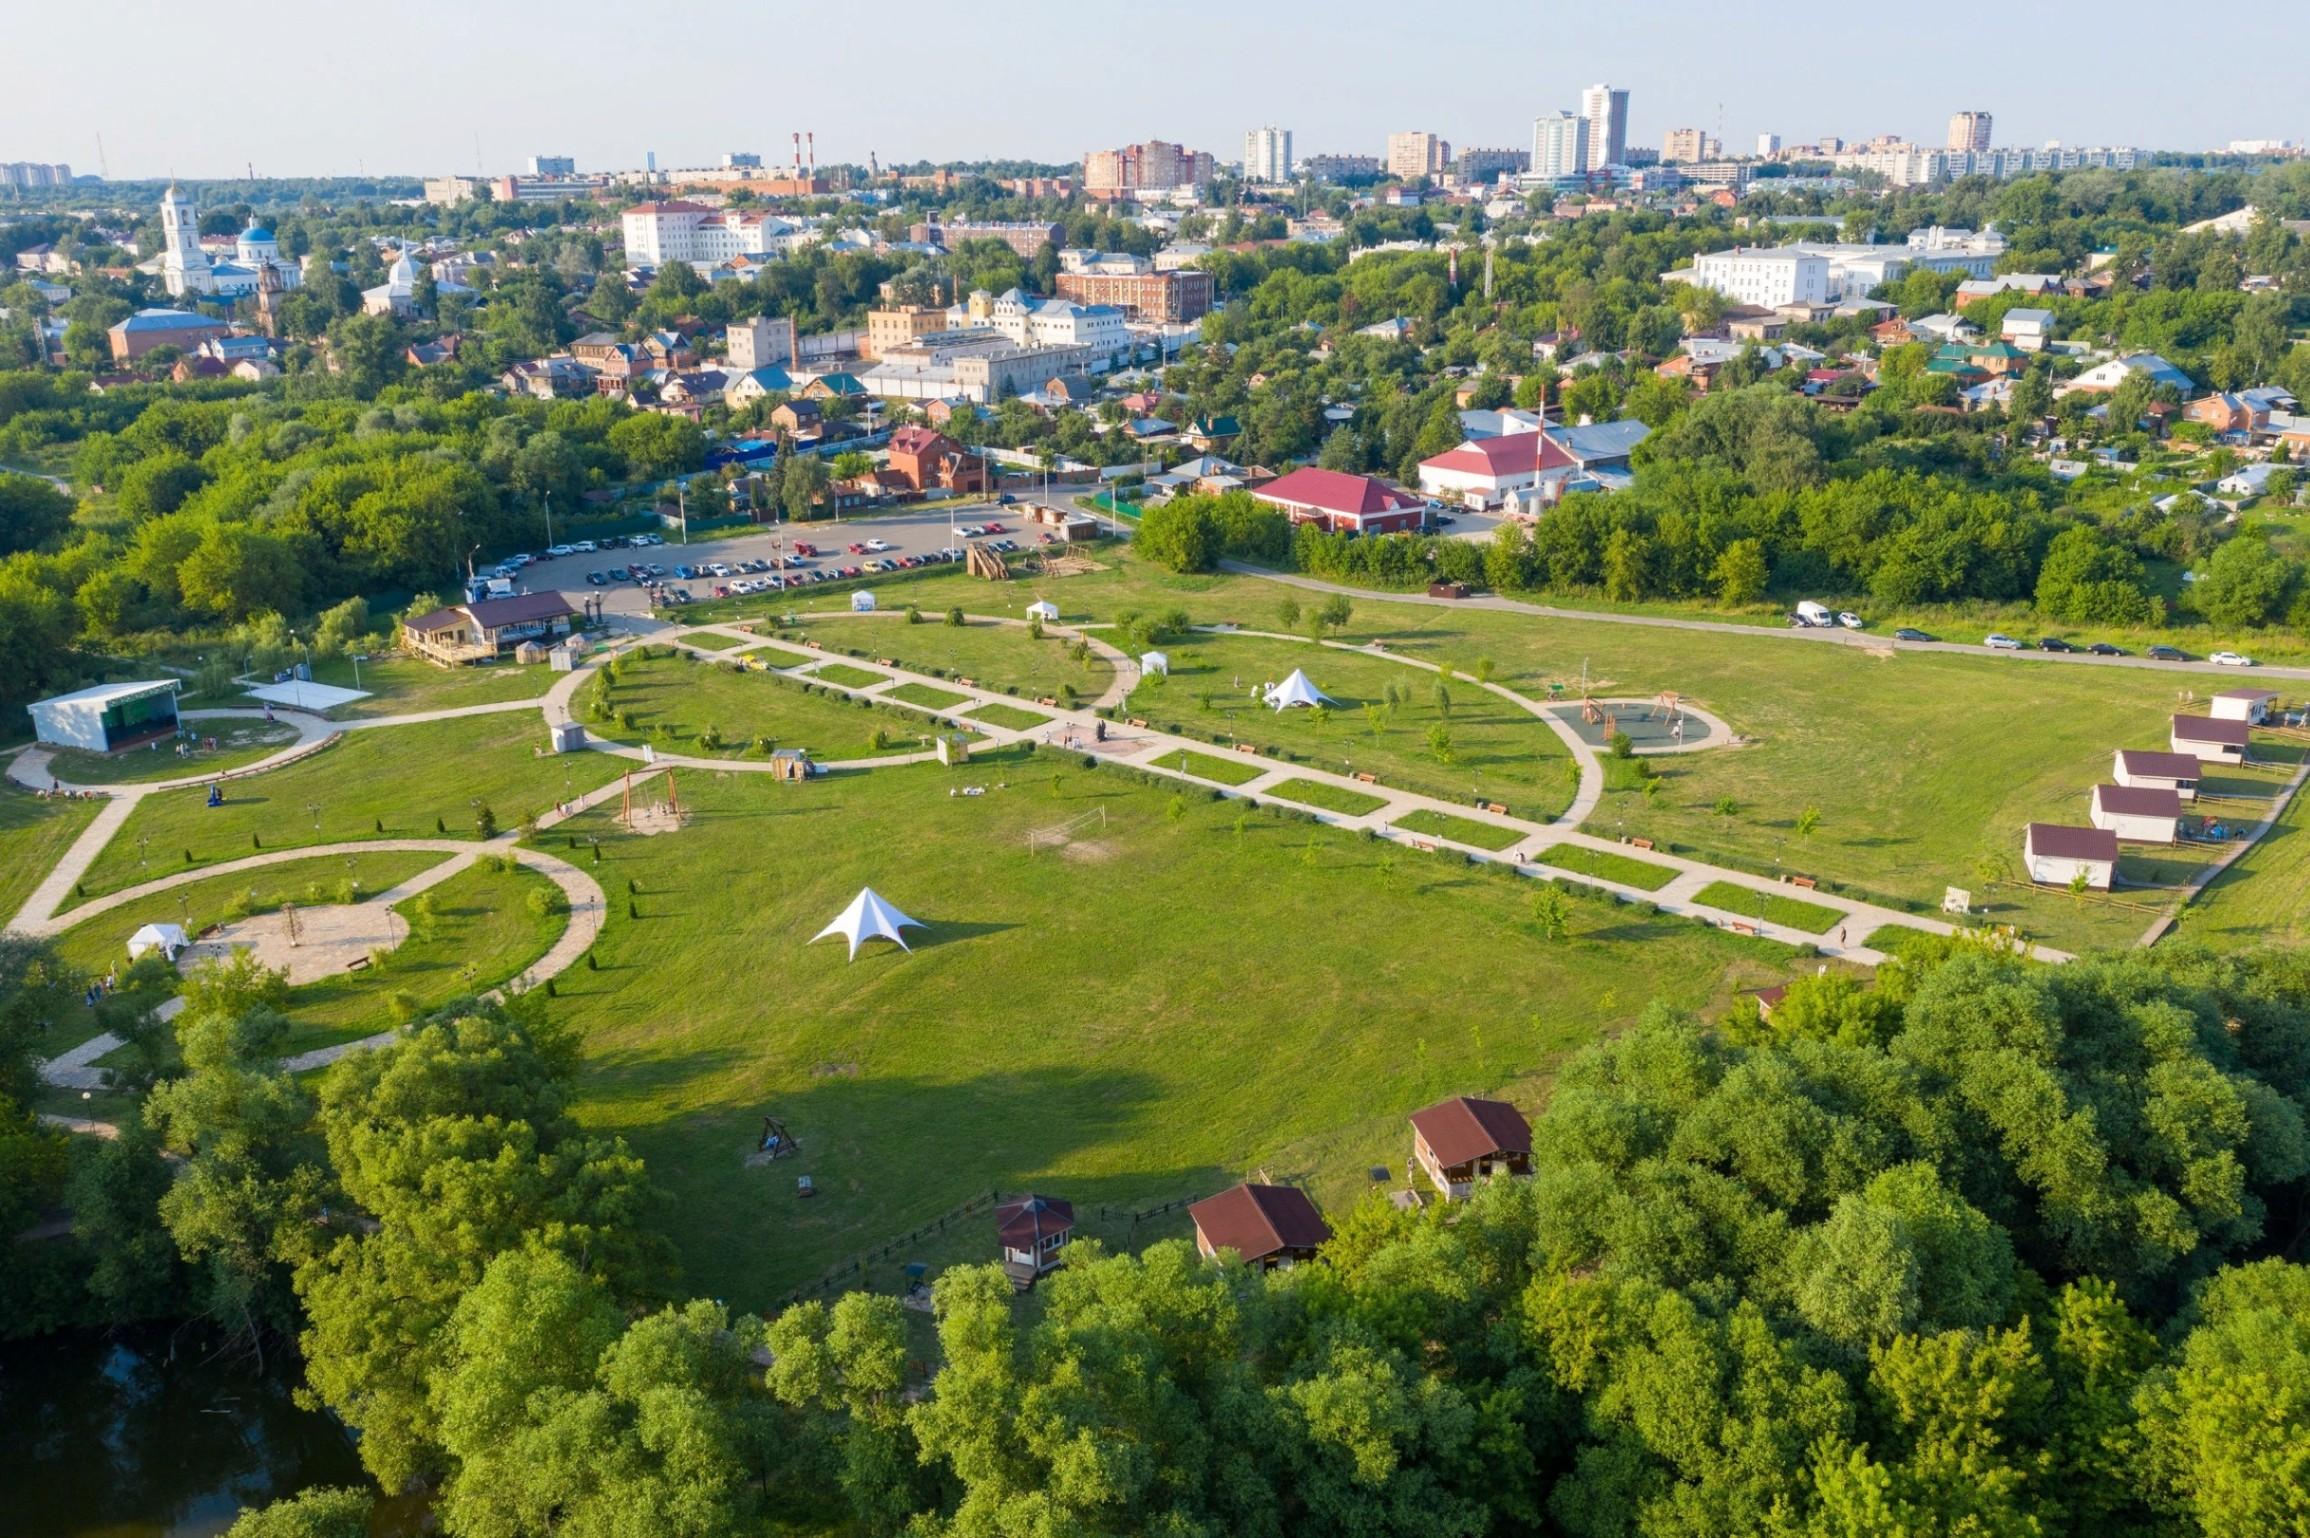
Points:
[(652, 816), (1060, 834), (980, 561), (777, 1142), (1667, 705)]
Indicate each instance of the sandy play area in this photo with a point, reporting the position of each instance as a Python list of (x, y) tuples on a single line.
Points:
[(327, 938)]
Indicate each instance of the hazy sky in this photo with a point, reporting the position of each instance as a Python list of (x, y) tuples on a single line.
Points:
[(409, 86)]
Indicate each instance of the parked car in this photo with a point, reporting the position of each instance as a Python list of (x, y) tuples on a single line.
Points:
[(1047, 538), (996, 528), (1911, 633), (2231, 659), (1005, 500), (560, 550), (2166, 654), (1849, 619), (804, 548), (585, 547), (2054, 643), (1998, 641), (620, 574), (855, 548), (878, 545), (2104, 649), (596, 579)]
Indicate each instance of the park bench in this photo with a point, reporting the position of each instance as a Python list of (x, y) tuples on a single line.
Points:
[(968, 683), (1045, 699), (1807, 882), (885, 662), (1366, 777), (1245, 747), (1424, 846), (813, 645), (1640, 843), (1739, 928), (357, 964), (1495, 808), (1136, 721)]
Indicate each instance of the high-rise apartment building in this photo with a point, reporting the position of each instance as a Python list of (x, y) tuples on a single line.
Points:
[(1768, 145), (1607, 113), (1117, 176), (553, 165), (1412, 155), (34, 173), (1969, 131), (1689, 144), (1267, 155), (1482, 165), (1560, 146)]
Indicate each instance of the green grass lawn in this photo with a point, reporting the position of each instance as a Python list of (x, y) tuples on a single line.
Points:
[(1009, 717), (1509, 753), (709, 641), (1626, 870), (2264, 896), (400, 686), (925, 696), (673, 698), (419, 781), (1239, 770), (1726, 897), (34, 834), (1460, 830), (849, 677), (1332, 798), (1027, 1042), (239, 744), (1006, 658), (482, 932)]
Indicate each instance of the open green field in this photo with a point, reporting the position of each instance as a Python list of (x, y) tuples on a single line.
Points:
[(1009, 717), (1730, 897), (1332, 798), (1006, 658), (927, 697), (400, 686), (239, 744), (2264, 896), (34, 833), (1239, 770), (1625, 869), (672, 699), (1149, 1013), (849, 677), (709, 641), (1489, 745), (408, 778), (1460, 830)]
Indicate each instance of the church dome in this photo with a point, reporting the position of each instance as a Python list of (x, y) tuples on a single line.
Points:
[(256, 232)]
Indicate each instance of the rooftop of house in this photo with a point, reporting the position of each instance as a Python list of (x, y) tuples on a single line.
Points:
[(2067, 843), (1462, 1128), (1258, 1221)]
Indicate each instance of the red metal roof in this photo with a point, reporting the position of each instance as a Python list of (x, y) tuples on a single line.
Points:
[(1461, 1129), (2160, 766), (2230, 734), (1023, 1223), (2137, 800), (1509, 454), (1259, 1221), (1336, 491), (2072, 843)]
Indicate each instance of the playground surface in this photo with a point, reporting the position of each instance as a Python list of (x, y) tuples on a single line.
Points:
[(1659, 725)]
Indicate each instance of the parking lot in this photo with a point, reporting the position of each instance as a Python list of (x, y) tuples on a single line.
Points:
[(918, 532)]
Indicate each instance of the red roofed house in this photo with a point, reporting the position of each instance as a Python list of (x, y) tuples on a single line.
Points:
[(1461, 1141), (2057, 855), (1515, 468), (2138, 814), (1344, 503), (1033, 1232), (924, 460), (2177, 772), (2210, 739), (1269, 1226)]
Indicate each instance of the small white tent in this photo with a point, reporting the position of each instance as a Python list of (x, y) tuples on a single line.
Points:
[(1151, 663), (862, 603), (1296, 690), (868, 918), (168, 939), (1044, 610)]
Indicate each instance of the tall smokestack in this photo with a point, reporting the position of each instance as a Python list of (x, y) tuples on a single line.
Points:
[(813, 137), (798, 157)]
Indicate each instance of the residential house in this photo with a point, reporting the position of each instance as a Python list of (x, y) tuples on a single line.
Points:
[(798, 418), (1343, 503), (1517, 470), (2248, 705), (2211, 739), (2105, 377), (1210, 433), (2057, 855), (921, 459), (1463, 1140), (2028, 329), (754, 384), (1266, 1226), (2177, 772), (2138, 814), (835, 386), (548, 378), (2248, 481)]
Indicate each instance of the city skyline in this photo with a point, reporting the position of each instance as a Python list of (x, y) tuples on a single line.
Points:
[(461, 110)]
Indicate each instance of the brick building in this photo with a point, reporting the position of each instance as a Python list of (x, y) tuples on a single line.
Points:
[(1149, 297), (923, 460), (1119, 175)]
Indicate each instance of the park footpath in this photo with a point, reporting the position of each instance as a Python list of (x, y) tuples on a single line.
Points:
[(1145, 749)]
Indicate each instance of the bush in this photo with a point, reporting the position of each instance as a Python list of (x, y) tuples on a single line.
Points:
[(485, 821), (1622, 747), (954, 616)]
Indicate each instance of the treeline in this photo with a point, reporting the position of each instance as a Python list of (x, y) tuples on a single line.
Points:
[(1987, 1247), (210, 514)]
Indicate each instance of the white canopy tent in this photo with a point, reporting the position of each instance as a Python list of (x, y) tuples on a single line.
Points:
[(868, 918), (1044, 610), (168, 939), (1151, 663), (1296, 690), (862, 603)]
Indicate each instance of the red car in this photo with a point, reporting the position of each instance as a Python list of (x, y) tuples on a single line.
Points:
[(802, 549), (857, 549), (1047, 537), (996, 528)]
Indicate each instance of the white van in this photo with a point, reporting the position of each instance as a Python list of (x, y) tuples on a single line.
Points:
[(1814, 613)]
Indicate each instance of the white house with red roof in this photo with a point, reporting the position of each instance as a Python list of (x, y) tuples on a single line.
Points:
[(1344, 503), (1515, 470)]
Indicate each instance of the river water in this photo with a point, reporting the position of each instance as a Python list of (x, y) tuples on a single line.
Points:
[(144, 1434)]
